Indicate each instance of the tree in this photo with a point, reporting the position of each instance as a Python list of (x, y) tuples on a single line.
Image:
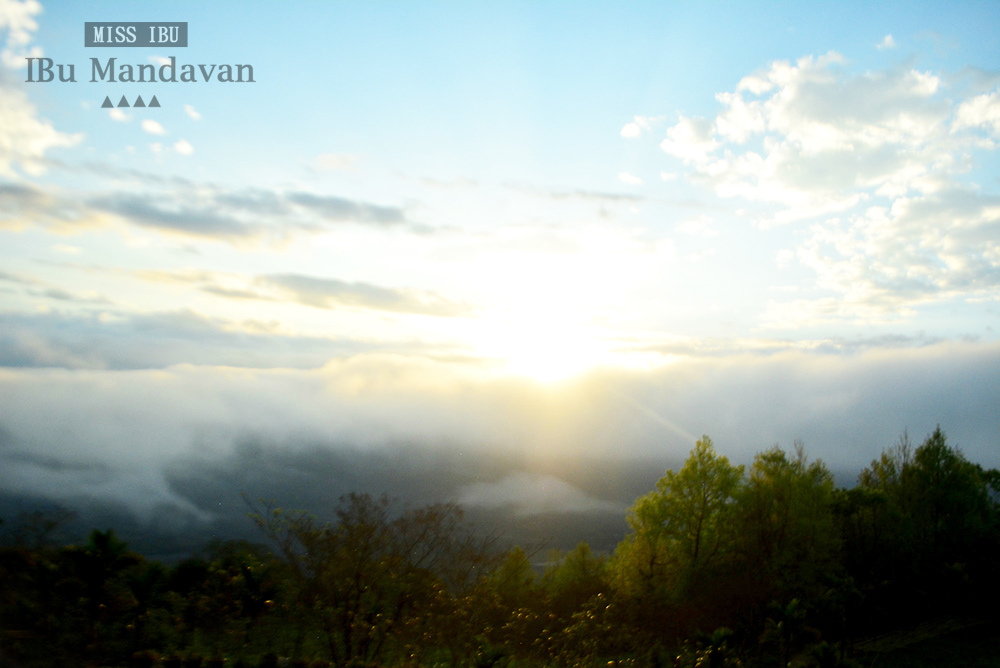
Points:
[(885, 473), (950, 497), (367, 577), (922, 531), (574, 578), (786, 522), (665, 572), (687, 518)]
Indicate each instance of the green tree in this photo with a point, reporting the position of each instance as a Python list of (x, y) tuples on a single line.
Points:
[(941, 494), (885, 473), (685, 524), (950, 497), (786, 523), (667, 575), (931, 527), (573, 578), (367, 578)]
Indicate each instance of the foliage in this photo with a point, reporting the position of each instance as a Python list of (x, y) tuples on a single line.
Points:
[(686, 523), (921, 529), (786, 523), (787, 570), (367, 580)]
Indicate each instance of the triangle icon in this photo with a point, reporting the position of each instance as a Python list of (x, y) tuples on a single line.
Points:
[(139, 102), (154, 102), (107, 103), (123, 102)]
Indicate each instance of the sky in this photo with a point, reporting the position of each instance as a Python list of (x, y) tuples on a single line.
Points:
[(515, 255)]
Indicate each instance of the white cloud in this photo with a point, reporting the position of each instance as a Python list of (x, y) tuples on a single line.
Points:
[(668, 176), (135, 425), (24, 138), (755, 84), (638, 125), (190, 111), (691, 140), (332, 162), (631, 131), (887, 43), (980, 111), (741, 118), (874, 161), (700, 256), (699, 227), (18, 19), (156, 147), (884, 263), (184, 147), (531, 494), (119, 115), (820, 141), (631, 180), (159, 60), (153, 127)]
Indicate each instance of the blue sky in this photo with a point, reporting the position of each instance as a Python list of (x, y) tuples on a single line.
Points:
[(557, 228)]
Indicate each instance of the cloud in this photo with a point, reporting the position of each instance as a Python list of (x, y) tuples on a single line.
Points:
[(690, 140), (17, 18), (980, 111), (873, 163), (333, 162), (638, 125), (153, 127), (593, 195), (239, 215), (119, 115), (58, 294), (333, 293), (887, 43), (24, 138), (824, 140), (23, 206), (54, 479), (631, 131), (178, 206), (184, 147), (885, 262), (317, 292), (339, 209), (14, 278), (428, 430), (700, 226), (631, 180), (532, 494), (198, 218), (192, 114), (17, 196), (111, 340)]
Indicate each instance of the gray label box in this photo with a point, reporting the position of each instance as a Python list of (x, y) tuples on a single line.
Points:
[(160, 34)]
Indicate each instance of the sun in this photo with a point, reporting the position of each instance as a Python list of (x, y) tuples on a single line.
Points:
[(539, 347), (551, 304)]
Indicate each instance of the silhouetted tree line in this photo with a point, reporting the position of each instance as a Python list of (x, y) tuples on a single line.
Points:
[(723, 566)]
